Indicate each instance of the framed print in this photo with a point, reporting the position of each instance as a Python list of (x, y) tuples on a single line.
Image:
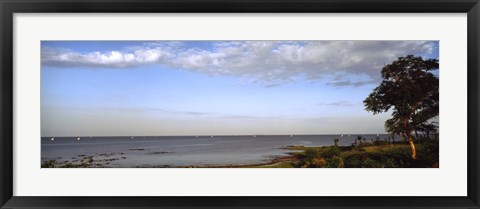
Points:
[(239, 104)]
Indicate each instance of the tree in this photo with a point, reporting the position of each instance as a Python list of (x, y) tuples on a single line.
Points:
[(410, 90), (428, 128)]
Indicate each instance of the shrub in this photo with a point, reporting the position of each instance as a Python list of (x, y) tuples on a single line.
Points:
[(430, 153), (369, 163), (333, 151), (353, 161), (334, 162), (318, 163), (312, 153)]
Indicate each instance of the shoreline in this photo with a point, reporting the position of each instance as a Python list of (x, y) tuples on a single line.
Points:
[(87, 162), (279, 159), (379, 154)]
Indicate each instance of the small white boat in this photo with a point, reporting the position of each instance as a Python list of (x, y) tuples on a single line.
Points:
[(78, 139), (291, 135), (132, 137), (342, 135), (196, 137), (52, 139), (378, 134)]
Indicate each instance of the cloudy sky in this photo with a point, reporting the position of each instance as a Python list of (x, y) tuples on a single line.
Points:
[(112, 88)]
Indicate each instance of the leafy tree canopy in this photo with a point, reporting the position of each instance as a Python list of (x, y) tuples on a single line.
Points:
[(410, 89)]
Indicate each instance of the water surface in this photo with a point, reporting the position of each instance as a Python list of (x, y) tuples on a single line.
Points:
[(171, 151)]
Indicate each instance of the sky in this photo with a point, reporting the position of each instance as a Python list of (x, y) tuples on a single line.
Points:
[(145, 88)]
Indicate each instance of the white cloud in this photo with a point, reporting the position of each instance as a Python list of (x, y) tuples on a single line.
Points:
[(66, 58), (266, 62)]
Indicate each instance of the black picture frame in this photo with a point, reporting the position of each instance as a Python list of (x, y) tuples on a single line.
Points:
[(9, 7)]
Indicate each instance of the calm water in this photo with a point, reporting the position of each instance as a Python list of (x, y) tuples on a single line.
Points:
[(182, 151)]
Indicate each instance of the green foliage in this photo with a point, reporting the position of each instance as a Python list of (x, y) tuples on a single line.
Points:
[(410, 89), (382, 155), (430, 153), (379, 154), (313, 158), (312, 153), (334, 162), (369, 163), (332, 151), (378, 159), (322, 157), (428, 128)]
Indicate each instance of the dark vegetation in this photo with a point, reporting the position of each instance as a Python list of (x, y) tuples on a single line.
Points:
[(369, 154)]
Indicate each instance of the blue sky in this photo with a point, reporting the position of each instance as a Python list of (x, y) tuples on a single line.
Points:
[(105, 88)]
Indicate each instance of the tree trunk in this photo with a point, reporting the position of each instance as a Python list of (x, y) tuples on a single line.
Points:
[(412, 147), (409, 137)]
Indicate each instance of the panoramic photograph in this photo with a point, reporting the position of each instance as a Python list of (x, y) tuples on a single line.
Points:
[(240, 104)]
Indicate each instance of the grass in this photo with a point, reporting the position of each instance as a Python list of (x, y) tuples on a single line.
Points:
[(363, 155)]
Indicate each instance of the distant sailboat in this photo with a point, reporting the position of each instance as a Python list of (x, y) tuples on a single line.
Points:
[(291, 135), (196, 137), (342, 135), (78, 139), (348, 134), (52, 139), (132, 137)]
